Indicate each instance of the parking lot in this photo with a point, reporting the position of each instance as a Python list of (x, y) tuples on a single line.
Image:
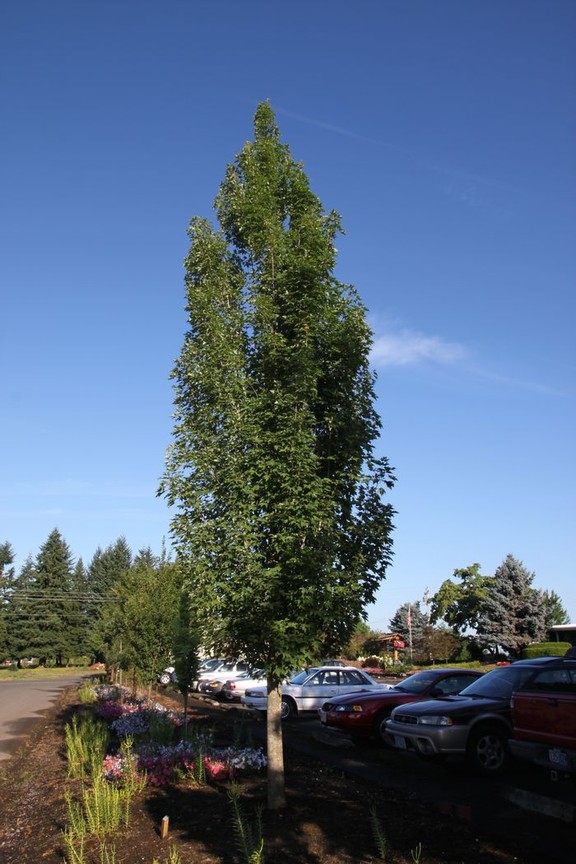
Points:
[(521, 799)]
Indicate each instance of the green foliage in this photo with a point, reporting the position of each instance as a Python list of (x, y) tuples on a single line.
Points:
[(379, 834), (513, 614), (44, 618), (545, 649), (86, 744), (409, 622), (460, 604), (555, 611), (139, 625), (249, 838), (281, 522), (416, 853), (361, 642)]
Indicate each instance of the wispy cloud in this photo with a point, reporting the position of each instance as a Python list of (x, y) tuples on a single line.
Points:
[(407, 348), (329, 127)]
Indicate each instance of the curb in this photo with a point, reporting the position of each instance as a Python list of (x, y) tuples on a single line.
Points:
[(541, 804)]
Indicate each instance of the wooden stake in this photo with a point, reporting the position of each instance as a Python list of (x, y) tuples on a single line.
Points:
[(164, 828)]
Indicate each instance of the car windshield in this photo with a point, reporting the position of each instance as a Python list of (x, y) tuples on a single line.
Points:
[(300, 678), (417, 683), (499, 683), (210, 665)]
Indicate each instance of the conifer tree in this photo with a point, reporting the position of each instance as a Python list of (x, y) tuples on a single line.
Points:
[(44, 622), (513, 615)]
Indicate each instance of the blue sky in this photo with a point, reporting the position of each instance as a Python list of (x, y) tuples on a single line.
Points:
[(444, 134)]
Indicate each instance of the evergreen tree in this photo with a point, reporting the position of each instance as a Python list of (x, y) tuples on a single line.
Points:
[(513, 615), (108, 566), (6, 586), (44, 622), (555, 610), (55, 612), (281, 521), (141, 621), (104, 572), (18, 621), (409, 622)]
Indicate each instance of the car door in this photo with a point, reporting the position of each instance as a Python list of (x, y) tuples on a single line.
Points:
[(549, 714), (317, 688), (351, 680)]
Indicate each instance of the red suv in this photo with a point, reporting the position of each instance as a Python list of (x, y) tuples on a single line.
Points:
[(544, 717)]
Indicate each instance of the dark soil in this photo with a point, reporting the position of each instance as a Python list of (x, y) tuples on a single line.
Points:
[(327, 820)]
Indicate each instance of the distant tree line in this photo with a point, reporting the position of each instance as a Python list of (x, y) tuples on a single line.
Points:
[(130, 612), (121, 609), (473, 616)]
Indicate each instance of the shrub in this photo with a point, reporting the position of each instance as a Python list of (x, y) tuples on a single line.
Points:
[(545, 649)]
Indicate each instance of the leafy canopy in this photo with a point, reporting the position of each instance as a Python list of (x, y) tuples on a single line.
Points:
[(280, 515)]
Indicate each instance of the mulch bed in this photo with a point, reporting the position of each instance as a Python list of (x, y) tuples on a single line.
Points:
[(328, 819)]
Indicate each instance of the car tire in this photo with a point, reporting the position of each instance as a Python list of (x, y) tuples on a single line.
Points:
[(487, 749), (380, 726), (288, 709), (164, 679)]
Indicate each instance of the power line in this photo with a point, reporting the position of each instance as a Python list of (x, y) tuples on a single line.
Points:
[(60, 596)]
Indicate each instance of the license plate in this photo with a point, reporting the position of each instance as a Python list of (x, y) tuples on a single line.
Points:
[(400, 742), (322, 716), (558, 757)]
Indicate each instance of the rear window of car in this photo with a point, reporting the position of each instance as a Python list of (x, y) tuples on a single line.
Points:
[(353, 677), (499, 683), (553, 681)]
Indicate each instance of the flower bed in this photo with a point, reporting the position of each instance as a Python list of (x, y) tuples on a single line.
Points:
[(142, 727)]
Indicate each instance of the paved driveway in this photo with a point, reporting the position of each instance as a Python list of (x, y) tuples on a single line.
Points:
[(22, 704)]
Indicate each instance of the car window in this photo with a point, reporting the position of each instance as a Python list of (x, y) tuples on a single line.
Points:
[(353, 677), (453, 684), (416, 683), (554, 681), (326, 677), (499, 683)]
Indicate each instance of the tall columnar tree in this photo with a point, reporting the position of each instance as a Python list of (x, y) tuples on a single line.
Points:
[(281, 519), (513, 615)]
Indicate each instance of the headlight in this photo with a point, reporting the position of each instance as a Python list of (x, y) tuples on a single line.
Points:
[(435, 720), (349, 709)]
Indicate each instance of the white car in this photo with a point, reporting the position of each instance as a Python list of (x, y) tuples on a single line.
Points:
[(310, 689), (228, 669), (234, 689)]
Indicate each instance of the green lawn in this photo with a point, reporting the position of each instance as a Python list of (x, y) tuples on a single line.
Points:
[(11, 674)]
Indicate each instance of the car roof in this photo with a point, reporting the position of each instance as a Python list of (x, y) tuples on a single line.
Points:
[(330, 668), (546, 661)]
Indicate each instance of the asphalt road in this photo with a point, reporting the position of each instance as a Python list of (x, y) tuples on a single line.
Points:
[(520, 800), (22, 704)]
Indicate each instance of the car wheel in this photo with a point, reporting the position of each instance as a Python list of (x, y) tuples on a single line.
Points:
[(488, 749), (380, 725), (288, 709), (164, 679)]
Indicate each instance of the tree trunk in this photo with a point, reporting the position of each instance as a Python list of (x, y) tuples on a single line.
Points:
[(276, 792)]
